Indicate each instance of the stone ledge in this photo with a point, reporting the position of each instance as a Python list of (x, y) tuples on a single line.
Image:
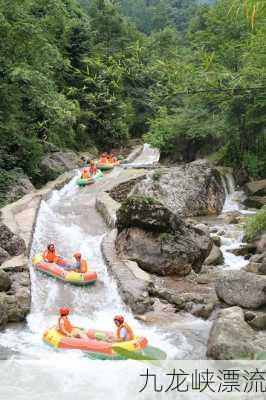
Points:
[(133, 283)]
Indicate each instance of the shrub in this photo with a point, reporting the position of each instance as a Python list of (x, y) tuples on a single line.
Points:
[(256, 224)]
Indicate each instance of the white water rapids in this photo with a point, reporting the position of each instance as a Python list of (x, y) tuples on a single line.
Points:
[(32, 370)]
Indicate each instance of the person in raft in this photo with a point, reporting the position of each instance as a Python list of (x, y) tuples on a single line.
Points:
[(50, 255), (85, 174), (103, 159), (124, 332), (81, 265), (65, 327), (93, 169)]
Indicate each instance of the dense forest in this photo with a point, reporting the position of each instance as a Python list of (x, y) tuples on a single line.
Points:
[(189, 76)]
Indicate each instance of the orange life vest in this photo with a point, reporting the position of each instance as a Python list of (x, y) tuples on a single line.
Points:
[(50, 256), (103, 160), (84, 175), (63, 322), (83, 266), (130, 333)]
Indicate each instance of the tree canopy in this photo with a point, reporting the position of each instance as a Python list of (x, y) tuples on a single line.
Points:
[(188, 76)]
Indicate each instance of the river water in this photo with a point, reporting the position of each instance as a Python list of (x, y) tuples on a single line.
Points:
[(32, 370)]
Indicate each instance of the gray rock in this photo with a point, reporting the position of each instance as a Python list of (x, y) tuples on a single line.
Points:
[(19, 186), (217, 240), (190, 190), (258, 321), (232, 217), (3, 255), (11, 243), (243, 289), (133, 283), (18, 305), (158, 240), (202, 310), (244, 250), (256, 188), (215, 257), (255, 201), (232, 338), (15, 246), (54, 164), (5, 281)]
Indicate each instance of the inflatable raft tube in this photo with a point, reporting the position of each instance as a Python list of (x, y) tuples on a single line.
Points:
[(105, 167), (93, 179), (96, 345), (59, 272)]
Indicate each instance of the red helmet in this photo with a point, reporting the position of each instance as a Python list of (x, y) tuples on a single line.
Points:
[(64, 311), (77, 255), (119, 318)]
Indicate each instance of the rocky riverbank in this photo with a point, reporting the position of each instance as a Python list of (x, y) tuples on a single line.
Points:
[(173, 246)]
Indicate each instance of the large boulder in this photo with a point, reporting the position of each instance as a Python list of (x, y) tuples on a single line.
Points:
[(54, 164), (193, 189), (256, 188), (11, 243), (244, 289), (158, 240), (231, 337)]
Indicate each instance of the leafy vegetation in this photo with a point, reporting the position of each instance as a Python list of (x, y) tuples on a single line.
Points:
[(187, 75), (256, 225)]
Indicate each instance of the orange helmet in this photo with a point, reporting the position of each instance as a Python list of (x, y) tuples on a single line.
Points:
[(64, 311), (119, 318), (77, 255)]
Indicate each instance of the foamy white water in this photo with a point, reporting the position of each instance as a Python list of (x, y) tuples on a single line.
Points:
[(232, 236), (36, 371)]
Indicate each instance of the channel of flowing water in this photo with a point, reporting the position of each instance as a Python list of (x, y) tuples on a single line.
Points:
[(33, 370)]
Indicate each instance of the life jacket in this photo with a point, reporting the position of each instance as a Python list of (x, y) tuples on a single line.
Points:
[(130, 333), (50, 256), (84, 266), (103, 160), (84, 175), (67, 327), (93, 170)]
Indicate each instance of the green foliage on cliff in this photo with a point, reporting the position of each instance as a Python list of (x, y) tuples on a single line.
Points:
[(189, 77), (256, 225)]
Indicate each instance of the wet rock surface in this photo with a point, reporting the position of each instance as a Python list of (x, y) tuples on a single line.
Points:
[(190, 190), (215, 257), (231, 337), (133, 283), (243, 289), (158, 240)]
